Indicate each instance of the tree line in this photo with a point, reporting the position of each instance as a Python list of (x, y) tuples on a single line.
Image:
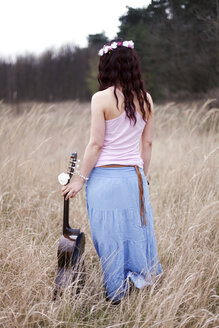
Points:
[(176, 41)]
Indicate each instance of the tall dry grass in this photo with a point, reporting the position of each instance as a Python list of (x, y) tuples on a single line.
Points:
[(35, 148)]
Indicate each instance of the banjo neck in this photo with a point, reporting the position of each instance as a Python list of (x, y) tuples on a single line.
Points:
[(68, 232)]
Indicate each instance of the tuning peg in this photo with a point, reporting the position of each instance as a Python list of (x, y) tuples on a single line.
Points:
[(70, 172), (78, 160)]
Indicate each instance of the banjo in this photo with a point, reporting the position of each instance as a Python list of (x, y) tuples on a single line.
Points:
[(71, 269)]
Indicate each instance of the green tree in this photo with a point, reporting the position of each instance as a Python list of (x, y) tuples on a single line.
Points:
[(177, 43), (95, 42)]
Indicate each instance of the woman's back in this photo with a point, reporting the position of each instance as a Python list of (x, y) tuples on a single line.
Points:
[(122, 136), (111, 110)]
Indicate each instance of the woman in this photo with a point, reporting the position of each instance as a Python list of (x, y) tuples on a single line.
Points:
[(115, 171)]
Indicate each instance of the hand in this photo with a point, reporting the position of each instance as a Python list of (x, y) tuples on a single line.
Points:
[(71, 189)]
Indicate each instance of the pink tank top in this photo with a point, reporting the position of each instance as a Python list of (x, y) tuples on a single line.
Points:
[(122, 141)]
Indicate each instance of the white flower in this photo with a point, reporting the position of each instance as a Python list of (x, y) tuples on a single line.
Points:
[(125, 43), (128, 44), (131, 44), (63, 178), (106, 49), (114, 45), (100, 53)]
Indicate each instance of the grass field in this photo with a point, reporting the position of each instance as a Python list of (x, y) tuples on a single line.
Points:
[(36, 142)]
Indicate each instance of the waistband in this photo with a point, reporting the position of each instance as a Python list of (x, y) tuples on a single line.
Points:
[(141, 189)]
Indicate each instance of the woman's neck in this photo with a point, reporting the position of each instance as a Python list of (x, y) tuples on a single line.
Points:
[(118, 87)]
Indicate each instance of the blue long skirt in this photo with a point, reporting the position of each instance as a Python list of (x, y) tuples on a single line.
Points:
[(127, 249)]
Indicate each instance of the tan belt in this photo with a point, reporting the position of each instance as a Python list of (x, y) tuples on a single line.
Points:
[(141, 190)]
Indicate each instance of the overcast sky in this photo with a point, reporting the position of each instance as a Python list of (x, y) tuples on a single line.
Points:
[(31, 26)]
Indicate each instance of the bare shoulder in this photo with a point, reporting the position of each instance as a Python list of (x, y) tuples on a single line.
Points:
[(98, 101), (150, 100), (101, 99), (96, 95), (100, 94)]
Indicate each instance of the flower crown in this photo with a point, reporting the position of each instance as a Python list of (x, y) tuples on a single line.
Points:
[(114, 45)]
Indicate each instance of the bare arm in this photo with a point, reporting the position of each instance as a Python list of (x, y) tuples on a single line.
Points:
[(94, 147), (147, 137)]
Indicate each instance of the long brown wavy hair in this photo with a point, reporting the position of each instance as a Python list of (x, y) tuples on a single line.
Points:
[(121, 67)]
